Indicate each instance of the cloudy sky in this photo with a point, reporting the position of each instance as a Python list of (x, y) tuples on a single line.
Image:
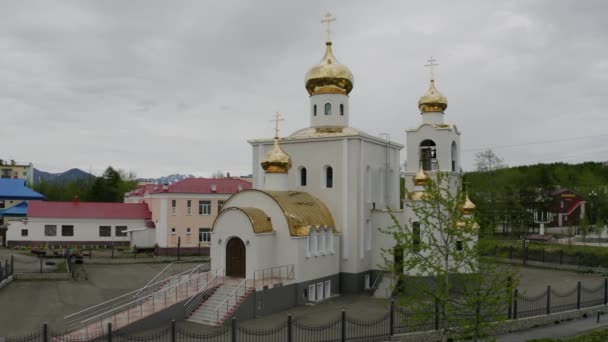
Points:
[(160, 87)]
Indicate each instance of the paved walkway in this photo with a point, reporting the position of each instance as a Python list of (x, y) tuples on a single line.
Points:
[(567, 329)]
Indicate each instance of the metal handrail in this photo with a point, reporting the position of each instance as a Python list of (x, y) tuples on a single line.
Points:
[(131, 303), (235, 293), (377, 281), (194, 301), (289, 273), (164, 270), (125, 299)]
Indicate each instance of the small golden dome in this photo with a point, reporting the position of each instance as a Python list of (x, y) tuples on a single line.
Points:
[(417, 195), (433, 100), (468, 206), (329, 76), (421, 177), (276, 160)]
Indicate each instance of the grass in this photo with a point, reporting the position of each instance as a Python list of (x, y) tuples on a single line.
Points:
[(594, 336)]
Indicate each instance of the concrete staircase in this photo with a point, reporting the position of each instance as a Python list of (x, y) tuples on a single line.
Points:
[(221, 304), (385, 288)]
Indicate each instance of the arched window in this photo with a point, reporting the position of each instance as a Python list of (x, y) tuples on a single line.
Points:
[(328, 109), (321, 240), (416, 236), (303, 176), (330, 240), (314, 110), (454, 152), (341, 109), (329, 177), (428, 155)]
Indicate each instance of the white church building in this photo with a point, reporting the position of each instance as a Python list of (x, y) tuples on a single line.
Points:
[(320, 194)]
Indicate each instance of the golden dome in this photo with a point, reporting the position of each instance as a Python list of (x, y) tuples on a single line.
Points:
[(421, 177), (433, 100), (468, 206), (276, 160), (329, 76)]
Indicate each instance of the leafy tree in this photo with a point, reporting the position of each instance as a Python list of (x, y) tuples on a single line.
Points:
[(111, 186), (438, 248), (488, 161)]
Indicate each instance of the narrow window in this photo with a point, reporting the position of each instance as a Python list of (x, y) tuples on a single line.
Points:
[(454, 152), (322, 241), (416, 238), (328, 109), (314, 110), (220, 204), (172, 230), (341, 109), (188, 231), (458, 245), (428, 155), (303, 176), (189, 207), (121, 231), (173, 206), (329, 177)]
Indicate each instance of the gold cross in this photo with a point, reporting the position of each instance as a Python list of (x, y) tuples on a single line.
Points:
[(328, 20), (277, 118), (431, 66)]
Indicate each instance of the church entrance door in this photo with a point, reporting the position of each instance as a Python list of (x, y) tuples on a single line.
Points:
[(235, 258)]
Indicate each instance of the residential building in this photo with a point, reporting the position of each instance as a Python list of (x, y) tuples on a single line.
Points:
[(568, 207), (63, 224), (14, 170), (14, 197), (183, 212)]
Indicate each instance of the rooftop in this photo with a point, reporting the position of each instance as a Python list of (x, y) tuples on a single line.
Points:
[(99, 210), (195, 186), (11, 188)]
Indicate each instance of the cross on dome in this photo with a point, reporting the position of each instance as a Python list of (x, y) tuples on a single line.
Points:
[(431, 67), (328, 19), (277, 118)]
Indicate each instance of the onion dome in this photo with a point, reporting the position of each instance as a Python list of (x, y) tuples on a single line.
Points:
[(433, 100), (329, 76), (276, 160), (468, 207), (421, 177)]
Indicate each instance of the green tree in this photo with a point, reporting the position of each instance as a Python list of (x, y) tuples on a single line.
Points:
[(111, 186), (440, 253)]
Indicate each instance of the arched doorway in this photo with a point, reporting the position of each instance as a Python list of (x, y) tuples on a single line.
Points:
[(235, 258)]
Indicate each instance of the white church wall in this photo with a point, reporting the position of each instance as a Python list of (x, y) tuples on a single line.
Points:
[(443, 139), (334, 118)]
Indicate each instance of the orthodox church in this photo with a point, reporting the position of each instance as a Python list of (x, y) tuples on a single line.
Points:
[(320, 194)]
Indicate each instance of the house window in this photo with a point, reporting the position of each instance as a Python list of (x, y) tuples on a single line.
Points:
[(24, 232), (172, 230), (173, 206), (50, 230), (189, 207), (303, 176), (416, 236), (188, 231), (341, 109), (120, 231), (220, 204), (204, 235), (204, 207), (314, 110), (329, 177), (2, 204), (562, 204), (459, 245), (328, 109), (67, 230), (105, 230)]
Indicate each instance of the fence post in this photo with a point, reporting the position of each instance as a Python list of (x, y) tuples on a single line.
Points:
[(436, 314), (578, 295), (605, 291), (343, 327), (173, 332), (515, 295), (391, 322), (45, 332), (109, 332), (548, 299), (288, 326), (233, 329)]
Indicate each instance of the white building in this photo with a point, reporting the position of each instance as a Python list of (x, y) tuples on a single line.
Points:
[(78, 224)]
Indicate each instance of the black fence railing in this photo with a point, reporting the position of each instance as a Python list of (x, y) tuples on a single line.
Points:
[(7, 269), (546, 255), (346, 327)]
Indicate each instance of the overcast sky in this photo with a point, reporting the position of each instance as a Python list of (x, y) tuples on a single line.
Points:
[(160, 87)]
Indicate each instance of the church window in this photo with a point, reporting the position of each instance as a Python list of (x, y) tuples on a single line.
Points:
[(329, 177), (341, 109), (328, 109), (314, 110), (428, 155), (416, 236), (303, 179), (454, 152), (322, 241), (368, 235), (330, 240)]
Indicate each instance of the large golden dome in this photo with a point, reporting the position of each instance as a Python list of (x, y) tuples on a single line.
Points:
[(276, 160), (329, 76), (433, 100)]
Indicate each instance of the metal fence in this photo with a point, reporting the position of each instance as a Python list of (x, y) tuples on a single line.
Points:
[(7, 269), (344, 326), (546, 255)]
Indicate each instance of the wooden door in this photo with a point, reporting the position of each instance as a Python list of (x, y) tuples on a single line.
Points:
[(235, 258)]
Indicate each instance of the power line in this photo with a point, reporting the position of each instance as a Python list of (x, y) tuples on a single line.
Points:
[(540, 142)]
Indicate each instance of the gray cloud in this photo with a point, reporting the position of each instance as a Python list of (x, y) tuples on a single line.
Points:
[(158, 87)]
